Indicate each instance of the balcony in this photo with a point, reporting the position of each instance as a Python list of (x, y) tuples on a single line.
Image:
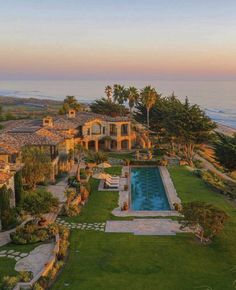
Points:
[(113, 133), (125, 133)]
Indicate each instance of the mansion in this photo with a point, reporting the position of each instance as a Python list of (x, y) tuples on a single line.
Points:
[(59, 136)]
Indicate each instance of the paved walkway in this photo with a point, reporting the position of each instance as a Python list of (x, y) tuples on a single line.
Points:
[(144, 227), (36, 259), (13, 254), (82, 226), (5, 237), (58, 189)]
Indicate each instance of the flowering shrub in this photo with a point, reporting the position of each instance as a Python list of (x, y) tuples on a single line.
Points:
[(30, 233)]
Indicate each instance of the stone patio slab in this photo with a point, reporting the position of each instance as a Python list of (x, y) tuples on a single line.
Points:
[(145, 227)]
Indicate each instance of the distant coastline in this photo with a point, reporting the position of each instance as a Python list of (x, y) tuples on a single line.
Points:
[(217, 98), (40, 103), (227, 130)]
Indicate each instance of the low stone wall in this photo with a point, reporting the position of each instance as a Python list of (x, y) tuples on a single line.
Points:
[(44, 271)]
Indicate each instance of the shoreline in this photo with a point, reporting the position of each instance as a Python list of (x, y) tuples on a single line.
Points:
[(224, 129), (221, 128)]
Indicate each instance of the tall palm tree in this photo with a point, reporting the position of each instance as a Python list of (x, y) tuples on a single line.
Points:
[(148, 97), (133, 97), (119, 94), (108, 92)]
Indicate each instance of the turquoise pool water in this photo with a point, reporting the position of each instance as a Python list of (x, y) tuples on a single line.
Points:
[(147, 189)]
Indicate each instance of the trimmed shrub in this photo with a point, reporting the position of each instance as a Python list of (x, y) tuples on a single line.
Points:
[(70, 210), (9, 218), (39, 201), (31, 233)]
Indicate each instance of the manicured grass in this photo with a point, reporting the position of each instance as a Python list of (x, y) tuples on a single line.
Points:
[(114, 170), (6, 268), (126, 155), (124, 261), (121, 261)]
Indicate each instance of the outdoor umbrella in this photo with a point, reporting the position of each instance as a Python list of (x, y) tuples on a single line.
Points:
[(100, 175), (104, 165)]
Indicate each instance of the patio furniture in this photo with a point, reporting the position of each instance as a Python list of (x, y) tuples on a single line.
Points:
[(112, 177), (107, 184)]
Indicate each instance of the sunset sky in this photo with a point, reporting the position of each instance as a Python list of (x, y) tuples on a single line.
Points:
[(111, 39)]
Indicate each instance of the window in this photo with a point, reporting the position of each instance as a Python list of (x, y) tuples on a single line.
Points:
[(124, 130), (113, 130), (104, 130), (88, 132), (96, 129)]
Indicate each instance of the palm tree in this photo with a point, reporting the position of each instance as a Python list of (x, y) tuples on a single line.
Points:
[(70, 102), (148, 97), (133, 97), (108, 92), (119, 94)]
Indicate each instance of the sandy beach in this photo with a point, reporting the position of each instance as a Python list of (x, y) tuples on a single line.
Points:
[(225, 129)]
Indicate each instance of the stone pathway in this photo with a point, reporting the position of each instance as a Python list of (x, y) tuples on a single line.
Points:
[(12, 254), (58, 190), (36, 259), (5, 237), (82, 226), (145, 227)]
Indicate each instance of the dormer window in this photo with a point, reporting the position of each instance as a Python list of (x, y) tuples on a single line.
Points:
[(71, 113)]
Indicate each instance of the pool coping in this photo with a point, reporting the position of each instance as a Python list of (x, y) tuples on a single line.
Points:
[(171, 193)]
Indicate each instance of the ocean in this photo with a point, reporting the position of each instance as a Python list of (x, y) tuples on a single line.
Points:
[(217, 98)]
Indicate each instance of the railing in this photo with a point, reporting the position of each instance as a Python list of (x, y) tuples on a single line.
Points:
[(113, 133), (124, 133)]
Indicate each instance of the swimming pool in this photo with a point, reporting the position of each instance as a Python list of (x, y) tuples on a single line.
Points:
[(147, 190)]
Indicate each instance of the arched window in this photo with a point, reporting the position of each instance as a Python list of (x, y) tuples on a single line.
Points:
[(96, 129)]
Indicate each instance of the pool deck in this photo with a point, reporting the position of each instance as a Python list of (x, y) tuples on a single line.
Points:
[(154, 227), (124, 196)]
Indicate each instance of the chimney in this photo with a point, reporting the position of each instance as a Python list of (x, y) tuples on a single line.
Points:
[(47, 122), (71, 114)]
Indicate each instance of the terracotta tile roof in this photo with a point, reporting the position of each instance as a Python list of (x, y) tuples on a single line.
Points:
[(17, 140), (21, 125), (8, 144), (38, 139), (19, 133), (81, 118)]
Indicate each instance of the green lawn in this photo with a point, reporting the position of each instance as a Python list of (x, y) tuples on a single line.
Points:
[(124, 261), (114, 170), (7, 265), (7, 268), (122, 156)]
